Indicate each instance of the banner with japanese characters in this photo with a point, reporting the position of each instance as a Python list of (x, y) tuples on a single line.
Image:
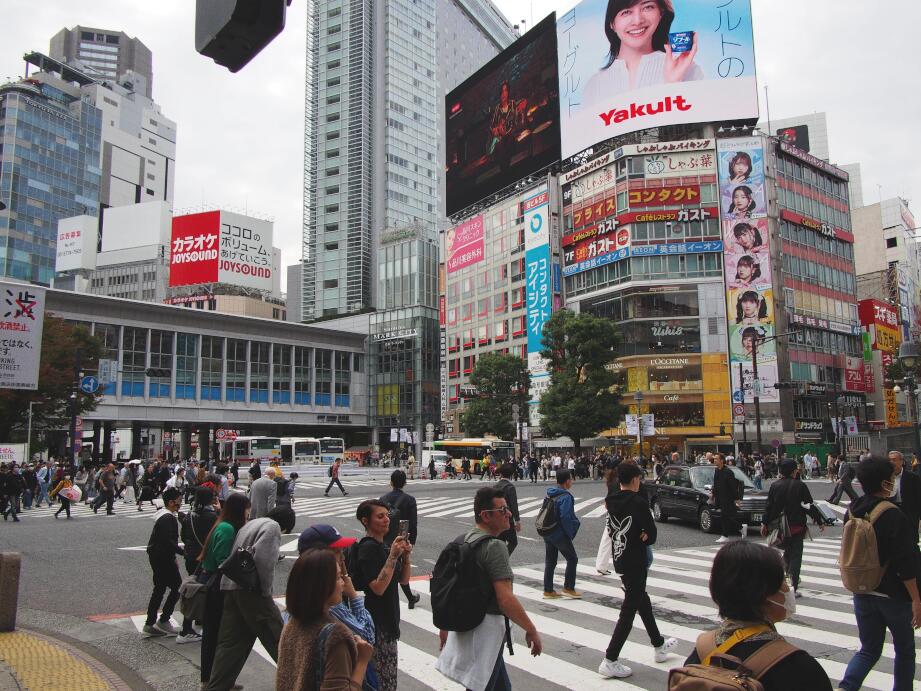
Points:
[(747, 267), (627, 66), (539, 289), (464, 244), (21, 335), (221, 247)]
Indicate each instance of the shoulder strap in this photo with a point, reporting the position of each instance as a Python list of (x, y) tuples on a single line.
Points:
[(706, 644), (319, 655), (879, 510), (737, 637), (763, 660)]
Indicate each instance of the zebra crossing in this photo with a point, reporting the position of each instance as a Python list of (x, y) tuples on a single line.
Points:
[(575, 633)]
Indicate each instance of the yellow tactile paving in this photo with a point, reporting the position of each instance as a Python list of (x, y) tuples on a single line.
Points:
[(39, 665)]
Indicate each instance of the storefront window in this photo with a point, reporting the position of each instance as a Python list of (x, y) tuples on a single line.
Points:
[(677, 414)]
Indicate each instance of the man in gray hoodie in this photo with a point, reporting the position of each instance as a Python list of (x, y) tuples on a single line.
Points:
[(251, 615)]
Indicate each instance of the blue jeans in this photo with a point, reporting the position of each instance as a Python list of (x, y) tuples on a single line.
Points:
[(874, 615), (756, 481), (27, 499), (556, 545), (42, 494)]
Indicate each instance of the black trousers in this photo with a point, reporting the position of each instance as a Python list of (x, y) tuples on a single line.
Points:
[(107, 496), (334, 481), (635, 600), (211, 626), (729, 519), (842, 488), (65, 506), (793, 557), (510, 537), (165, 577)]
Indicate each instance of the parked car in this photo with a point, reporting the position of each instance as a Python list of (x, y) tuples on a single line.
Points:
[(684, 492)]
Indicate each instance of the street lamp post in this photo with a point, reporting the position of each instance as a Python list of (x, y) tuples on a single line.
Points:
[(29, 434), (909, 355), (638, 397), (756, 383)]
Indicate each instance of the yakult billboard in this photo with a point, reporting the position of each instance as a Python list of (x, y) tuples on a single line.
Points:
[(627, 65), (221, 247)]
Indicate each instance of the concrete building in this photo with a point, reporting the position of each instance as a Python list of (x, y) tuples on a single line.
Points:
[(294, 296), (376, 78), (253, 376), (49, 165), (105, 54)]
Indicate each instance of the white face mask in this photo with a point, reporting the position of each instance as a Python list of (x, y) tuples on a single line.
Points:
[(788, 603)]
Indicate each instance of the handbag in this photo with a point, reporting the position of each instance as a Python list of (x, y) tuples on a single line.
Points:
[(192, 596), (240, 567), (780, 531)]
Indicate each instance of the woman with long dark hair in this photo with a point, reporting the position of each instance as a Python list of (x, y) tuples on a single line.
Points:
[(314, 586), (640, 54), (215, 550)]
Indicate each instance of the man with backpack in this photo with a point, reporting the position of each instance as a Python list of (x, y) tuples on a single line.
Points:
[(472, 600), (333, 473), (509, 536), (402, 508), (878, 564), (558, 524), (632, 530), (785, 506)]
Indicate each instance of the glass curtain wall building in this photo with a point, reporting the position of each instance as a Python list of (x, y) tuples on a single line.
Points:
[(49, 169), (376, 77)]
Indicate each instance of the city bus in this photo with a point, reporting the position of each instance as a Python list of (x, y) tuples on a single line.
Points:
[(245, 450), (300, 450), (331, 448), (475, 449)]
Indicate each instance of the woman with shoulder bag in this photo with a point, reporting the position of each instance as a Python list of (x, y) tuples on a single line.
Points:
[(214, 552), (317, 652), (748, 586)]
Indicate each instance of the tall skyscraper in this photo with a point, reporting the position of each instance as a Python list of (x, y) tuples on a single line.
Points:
[(376, 78), (49, 167), (105, 54)]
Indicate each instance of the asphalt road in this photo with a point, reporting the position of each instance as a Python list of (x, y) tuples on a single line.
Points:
[(96, 565)]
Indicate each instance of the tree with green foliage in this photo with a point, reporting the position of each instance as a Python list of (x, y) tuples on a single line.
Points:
[(583, 397), (500, 382), (57, 380)]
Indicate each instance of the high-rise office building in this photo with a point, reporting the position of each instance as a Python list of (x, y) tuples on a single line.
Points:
[(105, 54), (376, 78), (49, 166)]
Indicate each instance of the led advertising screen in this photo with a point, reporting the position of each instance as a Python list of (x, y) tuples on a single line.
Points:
[(502, 124), (628, 65)]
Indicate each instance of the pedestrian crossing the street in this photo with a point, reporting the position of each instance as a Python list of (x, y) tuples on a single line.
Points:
[(575, 633)]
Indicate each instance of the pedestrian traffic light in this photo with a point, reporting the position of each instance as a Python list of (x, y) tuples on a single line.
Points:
[(233, 32), (157, 373)]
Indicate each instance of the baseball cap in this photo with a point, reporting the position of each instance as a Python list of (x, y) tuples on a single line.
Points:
[(322, 535)]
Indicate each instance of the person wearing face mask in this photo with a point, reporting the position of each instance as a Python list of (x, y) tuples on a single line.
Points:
[(895, 603), (748, 586)]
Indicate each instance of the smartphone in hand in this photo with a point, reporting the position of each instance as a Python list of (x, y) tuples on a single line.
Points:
[(404, 529)]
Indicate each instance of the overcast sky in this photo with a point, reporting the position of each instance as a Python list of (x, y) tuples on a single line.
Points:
[(240, 136)]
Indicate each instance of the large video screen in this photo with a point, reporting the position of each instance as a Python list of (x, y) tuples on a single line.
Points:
[(503, 122), (628, 65)]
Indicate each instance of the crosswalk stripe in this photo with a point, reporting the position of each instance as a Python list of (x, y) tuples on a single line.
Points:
[(544, 666), (705, 563), (421, 667), (456, 505), (806, 558)]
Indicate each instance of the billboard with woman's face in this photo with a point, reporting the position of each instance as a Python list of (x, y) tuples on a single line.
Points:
[(628, 65)]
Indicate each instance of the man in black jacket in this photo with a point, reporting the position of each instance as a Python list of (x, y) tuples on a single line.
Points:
[(845, 478), (632, 529), (510, 536), (12, 487), (725, 494), (402, 508), (162, 549), (899, 608), (787, 497), (906, 493)]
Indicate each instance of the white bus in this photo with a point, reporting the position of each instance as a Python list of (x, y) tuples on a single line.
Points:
[(475, 449), (300, 450), (245, 450), (331, 448)]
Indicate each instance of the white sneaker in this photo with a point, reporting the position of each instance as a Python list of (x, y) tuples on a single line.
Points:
[(745, 530), (720, 540), (613, 668), (661, 654), (191, 637)]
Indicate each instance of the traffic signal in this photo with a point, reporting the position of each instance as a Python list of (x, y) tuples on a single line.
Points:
[(157, 373), (233, 32)]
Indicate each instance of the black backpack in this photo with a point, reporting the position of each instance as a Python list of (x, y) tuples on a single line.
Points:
[(548, 518), (459, 589), (351, 564)]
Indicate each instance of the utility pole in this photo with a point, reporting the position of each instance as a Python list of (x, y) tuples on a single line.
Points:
[(756, 387), (73, 410), (638, 397), (744, 421)]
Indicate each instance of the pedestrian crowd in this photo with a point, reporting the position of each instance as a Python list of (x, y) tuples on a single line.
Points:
[(340, 624)]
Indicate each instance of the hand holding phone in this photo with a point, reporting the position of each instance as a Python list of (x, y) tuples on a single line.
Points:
[(404, 529)]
